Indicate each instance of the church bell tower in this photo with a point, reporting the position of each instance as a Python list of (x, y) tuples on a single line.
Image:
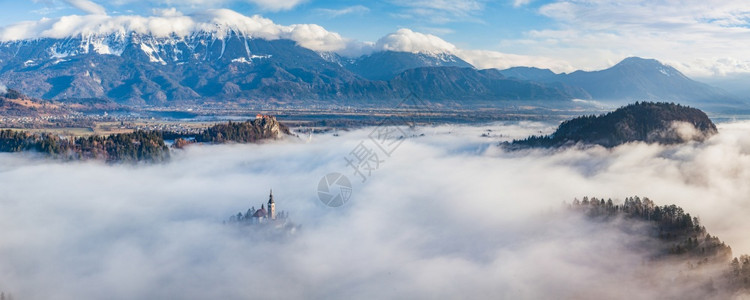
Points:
[(271, 207)]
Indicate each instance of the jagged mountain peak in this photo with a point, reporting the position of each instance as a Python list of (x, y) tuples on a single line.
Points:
[(169, 27), (229, 47), (145, 69)]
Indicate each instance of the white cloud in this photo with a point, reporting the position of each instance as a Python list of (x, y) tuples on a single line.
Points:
[(448, 210), (167, 12), (606, 32), (88, 6), (699, 38), (266, 5), (317, 38), (356, 9), (697, 34), (437, 30), (167, 22), (714, 66), (461, 7), (171, 22), (47, 10), (519, 3), (277, 5), (406, 40), (441, 11), (486, 59)]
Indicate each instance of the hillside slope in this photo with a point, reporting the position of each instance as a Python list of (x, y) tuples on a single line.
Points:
[(649, 122)]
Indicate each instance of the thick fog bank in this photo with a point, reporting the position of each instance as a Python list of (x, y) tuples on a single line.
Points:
[(446, 215)]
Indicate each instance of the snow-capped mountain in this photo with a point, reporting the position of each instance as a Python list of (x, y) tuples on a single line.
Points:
[(198, 47), (221, 55), (140, 68), (136, 68)]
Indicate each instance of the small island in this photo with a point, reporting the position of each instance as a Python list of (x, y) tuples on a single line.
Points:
[(124, 147), (265, 217), (649, 122), (252, 131)]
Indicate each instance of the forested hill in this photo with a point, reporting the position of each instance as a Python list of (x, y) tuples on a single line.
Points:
[(651, 122), (263, 127), (14, 103), (147, 146), (132, 147), (676, 241), (251, 131), (680, 233)]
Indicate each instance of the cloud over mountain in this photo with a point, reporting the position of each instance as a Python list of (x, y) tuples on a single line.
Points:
[(700, 39), (406, 40), (172, 23), (586, 30), (607, 31)]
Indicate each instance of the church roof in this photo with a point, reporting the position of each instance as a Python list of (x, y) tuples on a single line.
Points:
[(260, 213)]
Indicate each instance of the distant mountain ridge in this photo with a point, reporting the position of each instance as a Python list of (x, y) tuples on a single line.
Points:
[(228, 65), (468, 84), (385, 65), (138, 70), (633, 79)]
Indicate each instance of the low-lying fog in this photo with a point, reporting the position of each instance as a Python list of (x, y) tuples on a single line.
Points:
[(447, 215)]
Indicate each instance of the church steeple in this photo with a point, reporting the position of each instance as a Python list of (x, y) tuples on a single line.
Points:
[(271, 207)]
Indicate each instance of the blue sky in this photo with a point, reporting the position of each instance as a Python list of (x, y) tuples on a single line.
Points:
[(701, 38), (476, 24)]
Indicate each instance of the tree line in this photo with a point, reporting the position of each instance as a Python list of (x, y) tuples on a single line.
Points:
[(681, 235), (135, 146), (250, 131), (643, 121), (139, 145)]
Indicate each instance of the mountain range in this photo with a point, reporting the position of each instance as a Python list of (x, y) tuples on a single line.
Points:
[(140, 69), (633, 78)]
